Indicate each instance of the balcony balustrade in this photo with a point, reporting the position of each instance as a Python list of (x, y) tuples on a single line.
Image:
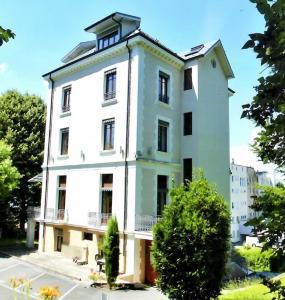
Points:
[(145, 222), (57, 215), (96, 219)]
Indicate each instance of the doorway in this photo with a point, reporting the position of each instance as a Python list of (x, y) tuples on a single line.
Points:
[(58, 239), (150, 274)]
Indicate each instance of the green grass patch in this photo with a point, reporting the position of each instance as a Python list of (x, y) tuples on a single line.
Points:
[(255, 291)]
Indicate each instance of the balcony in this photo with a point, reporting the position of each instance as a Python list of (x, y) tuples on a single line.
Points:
[(56, 215), (146, 222), (98, 219), (33, 212)]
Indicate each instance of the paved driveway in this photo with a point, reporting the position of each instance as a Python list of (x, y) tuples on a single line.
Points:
[(69, 289)]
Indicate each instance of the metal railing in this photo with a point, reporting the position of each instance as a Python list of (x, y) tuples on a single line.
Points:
[(96, 219), (110, 95), (145, 222), (33, 212), (65, 108), (60, 215)]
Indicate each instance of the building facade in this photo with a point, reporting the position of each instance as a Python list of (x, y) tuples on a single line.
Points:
[(128, 118), (244, 187)]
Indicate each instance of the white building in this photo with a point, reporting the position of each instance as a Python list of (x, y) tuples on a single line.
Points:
[(127, 118), (244, 181)]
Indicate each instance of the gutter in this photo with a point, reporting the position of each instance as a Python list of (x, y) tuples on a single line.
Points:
[(48, 151), (127, 149)]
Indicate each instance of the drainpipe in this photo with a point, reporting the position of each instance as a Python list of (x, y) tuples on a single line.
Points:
[(127, 151), (48, 152)]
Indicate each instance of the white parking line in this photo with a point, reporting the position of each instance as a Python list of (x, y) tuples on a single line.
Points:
[(18, 292), (38, 276), (10, 267), (68, 292)]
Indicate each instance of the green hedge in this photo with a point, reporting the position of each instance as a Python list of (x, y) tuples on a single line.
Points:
[(260, 261)]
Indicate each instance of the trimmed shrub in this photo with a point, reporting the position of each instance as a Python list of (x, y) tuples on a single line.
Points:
[(111, 251), (191, 242)]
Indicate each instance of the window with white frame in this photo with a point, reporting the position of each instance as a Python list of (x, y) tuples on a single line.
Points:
[(162, 190), (163, 85), (106, 196), (66, 92), (162, 136), (110, 84), (108, 134), (64, 140)]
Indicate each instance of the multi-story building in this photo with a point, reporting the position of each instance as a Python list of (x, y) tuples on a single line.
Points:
[(127, 119), (244, 187)]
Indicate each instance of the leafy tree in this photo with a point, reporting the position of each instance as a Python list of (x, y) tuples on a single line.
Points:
[(267, 109), (22, 125), (9, 175), (270, 225), (5, 35), (111, 251), (191, 242)]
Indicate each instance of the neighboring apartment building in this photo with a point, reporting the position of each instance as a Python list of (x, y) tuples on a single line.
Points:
[(244, 181), (127, 119)]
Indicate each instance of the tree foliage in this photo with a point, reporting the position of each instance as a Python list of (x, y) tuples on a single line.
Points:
[(22, 125), (5, 35), (9, 175), (111, 251), (191, 242), (267, 109), (270, 225)]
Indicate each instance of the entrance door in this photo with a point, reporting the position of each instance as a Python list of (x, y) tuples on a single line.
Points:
[(150, 274), (58, 239)]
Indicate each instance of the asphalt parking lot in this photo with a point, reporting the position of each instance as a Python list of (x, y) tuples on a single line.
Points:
[(69, 289)]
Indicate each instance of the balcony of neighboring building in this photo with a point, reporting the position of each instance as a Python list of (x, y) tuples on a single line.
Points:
[(144, 223)]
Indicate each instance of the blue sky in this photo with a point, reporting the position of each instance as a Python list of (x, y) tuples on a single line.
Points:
[(47, 30)]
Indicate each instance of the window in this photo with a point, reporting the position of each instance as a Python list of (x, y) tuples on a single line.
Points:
[(187, 169), (188, 123), (110, 84), (108, 40), (188, 79), (106, 192), (64, 136), (161, 193), (162, 135), (87, 236), (61, 196), (66, 99), (108, 131), (163, 87)]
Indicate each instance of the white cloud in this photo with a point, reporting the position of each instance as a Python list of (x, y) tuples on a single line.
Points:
[(3, 68), (243, 155)]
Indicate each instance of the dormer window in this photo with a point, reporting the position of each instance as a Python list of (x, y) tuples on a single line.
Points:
[(108, 40)]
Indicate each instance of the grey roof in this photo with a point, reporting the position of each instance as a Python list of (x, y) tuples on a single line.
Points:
[(117, 16), (81, 49)]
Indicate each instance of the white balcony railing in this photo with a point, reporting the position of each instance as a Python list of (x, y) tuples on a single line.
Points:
[(58, 215), (145, 222), (33, 212), (96, 219)]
